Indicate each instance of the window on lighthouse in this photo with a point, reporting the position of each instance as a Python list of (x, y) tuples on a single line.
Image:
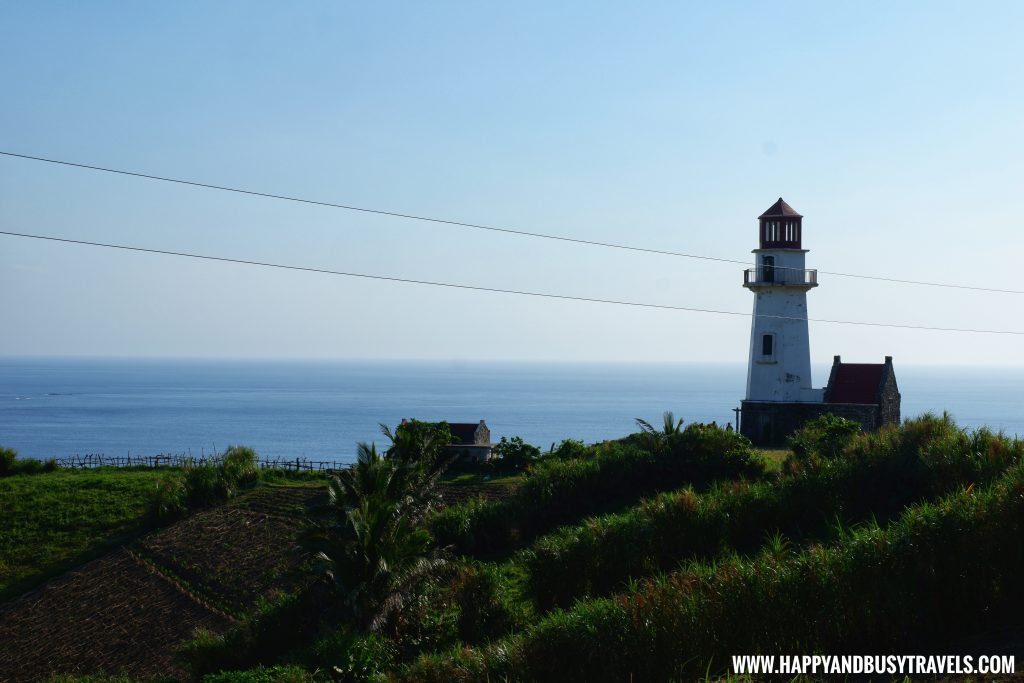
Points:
[(767, 345)]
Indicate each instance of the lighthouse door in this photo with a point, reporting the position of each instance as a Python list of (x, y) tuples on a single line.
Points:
[(768, 268)]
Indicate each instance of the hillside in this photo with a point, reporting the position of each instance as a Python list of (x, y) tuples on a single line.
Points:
[(653, 557), (131, 609)]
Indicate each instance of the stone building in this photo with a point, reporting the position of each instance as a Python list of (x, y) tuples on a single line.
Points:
[(780, 396), (472, 440)]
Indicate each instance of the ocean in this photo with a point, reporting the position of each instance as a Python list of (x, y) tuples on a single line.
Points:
[(322, 409)]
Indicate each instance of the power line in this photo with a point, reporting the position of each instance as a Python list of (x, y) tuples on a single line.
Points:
[(495, 290), (491, 228)]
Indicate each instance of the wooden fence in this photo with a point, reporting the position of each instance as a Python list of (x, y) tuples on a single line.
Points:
[(91, 460)]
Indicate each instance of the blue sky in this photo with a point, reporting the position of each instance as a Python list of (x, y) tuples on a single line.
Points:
[(897, 129)]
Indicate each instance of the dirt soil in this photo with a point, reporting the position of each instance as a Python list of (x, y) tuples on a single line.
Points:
[(129, 612)]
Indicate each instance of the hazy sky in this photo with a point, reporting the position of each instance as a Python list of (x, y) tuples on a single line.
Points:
[(897, 129)]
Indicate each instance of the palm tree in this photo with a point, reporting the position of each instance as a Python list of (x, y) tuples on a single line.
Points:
[(368, 541), (670, 425)]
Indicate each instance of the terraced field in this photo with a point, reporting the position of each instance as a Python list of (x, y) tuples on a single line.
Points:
[(130, 610)]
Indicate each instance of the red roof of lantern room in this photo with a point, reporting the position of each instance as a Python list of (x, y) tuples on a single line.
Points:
[(856, 383), (780, 209)]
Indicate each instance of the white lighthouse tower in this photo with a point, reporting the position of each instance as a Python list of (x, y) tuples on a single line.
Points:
[(780, 353)]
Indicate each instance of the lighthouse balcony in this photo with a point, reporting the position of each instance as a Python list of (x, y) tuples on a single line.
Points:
[(775, 275)]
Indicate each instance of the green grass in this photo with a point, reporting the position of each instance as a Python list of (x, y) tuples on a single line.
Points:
[(774, 457), (476, 479), (54, 521)]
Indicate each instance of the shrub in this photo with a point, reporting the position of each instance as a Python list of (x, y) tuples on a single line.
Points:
[(275, 628), (353, 658), (483, 614), (568, 449), (823, 437), (239, 467), (479, 526), (204, 486), (558, 491), (513, 454), (276, 674), (924, 459), (75, 678), (167, 501), (941, 571), (7, 456), (10, 464)]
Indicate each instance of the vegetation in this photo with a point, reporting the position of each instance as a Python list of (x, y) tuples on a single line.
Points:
[(878, 475), (55, 521), (823, 438), (940, 571), (369, 541), (10, 465), (652, 557), (562, 489), (198, 486), (513, 455)]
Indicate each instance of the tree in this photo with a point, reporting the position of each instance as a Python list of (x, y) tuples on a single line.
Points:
[(659, 440), (368, 542), (515, 454), (670, 426)]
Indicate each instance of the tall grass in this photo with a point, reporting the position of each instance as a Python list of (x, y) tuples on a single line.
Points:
[(605, 478), (199, 486), (878, 475), (941, 571)]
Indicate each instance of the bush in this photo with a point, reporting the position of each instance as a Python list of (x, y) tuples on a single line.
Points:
[(239, 467), (568, 449), (276, 674), (924, 459), (513, 455), (612, 474), (940, 572), (204, 486), (823, 437), (479, 526), (276, 628), (353, 658), (483, 614), (7, 456), (167, 501), (11, 465)]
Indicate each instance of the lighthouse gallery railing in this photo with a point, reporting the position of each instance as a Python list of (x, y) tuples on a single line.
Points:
[(779, 275)]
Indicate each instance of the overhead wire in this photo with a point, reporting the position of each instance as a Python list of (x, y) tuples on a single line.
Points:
[(491, 228), (480, 288)]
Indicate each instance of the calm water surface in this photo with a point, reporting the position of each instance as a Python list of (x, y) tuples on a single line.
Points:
[(60, 407)]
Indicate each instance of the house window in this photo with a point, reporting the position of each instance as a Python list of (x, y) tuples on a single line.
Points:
[(767, 344)]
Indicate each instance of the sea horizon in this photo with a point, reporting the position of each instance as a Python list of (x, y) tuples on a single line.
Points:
[(321, 408)]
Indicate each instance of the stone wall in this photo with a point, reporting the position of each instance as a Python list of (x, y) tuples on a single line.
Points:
[(482, 435), (769, 424), (889, 396)]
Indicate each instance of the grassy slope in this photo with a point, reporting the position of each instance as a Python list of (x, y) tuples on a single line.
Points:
[(54, 521)]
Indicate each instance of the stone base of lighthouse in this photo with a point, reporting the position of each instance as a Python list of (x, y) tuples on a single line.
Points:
[(770, 423)]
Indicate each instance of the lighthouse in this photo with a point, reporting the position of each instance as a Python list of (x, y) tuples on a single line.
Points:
[(780, 351), (780, 397)]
